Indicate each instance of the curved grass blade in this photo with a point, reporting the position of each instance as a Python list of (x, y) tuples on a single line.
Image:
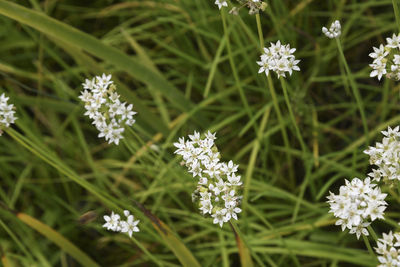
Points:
[(58, 239), (244, 252), (180, 250)]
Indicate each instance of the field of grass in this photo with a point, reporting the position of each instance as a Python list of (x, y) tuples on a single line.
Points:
[(185, 65)]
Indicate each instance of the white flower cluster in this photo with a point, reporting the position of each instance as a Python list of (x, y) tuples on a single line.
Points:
[(358, 204), (218, 185), (334, 30), (114, 223), (389, 249), (102, 104), (387, 59), (7, 113), (278, 58), (221, 3), (386, 156)]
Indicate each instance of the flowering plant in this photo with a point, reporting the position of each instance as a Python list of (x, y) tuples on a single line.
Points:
[(7, 113), (387, 59), (279, 59), (102, 104), (218, 185)]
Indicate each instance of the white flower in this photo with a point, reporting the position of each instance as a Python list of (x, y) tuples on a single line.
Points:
[(393, 42), (7, 113), (334, 30), (219, 217), (386, 157), (114, 222), (216, 180), (129, 226), (358, 204), (103, 106), (386, 59), (221, 3), (389, 250), (279, 59)]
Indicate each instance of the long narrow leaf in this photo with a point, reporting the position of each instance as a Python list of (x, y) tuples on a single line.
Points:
[(58, 239)]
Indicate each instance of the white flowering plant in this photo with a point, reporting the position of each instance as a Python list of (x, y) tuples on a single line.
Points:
[(116, 224), (359, 203), (386, 156), (334, 31), (7, 113), (388, 249), (218, 186), (104, 107), (386, 59), (278, 58)]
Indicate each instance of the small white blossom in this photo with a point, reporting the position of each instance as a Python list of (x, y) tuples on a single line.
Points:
[(389, 250), (334, 30), (386, 156), (219, 217), (103, 106), (217, 180), (7, 113), (386, 59), (221, 3), (358, 204), (279, 59), (114, 222)]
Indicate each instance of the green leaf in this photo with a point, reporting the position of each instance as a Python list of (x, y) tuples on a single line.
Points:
[(58, 239)]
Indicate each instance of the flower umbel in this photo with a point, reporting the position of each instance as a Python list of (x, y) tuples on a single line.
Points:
[(386, 157), (7, 113), (279, 59), (218, 185), (334, 30), (387, 59), (358, 204), (114, 223), (103, 106), (389, 250)]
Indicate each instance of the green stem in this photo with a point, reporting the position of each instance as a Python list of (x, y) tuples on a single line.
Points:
[(354, 87), (252, 162), (283, 128), (137, 243), (234, 71), (299, 136), (260, 33), (396, 13), (276, 105), (372, 232), (368, 245)]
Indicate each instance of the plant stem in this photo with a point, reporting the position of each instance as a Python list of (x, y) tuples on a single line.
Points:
[(368, 245), (283, 127), (372, 232), (137, 243), (234, 71), (299, 136), (354, 87), (259, 30), (396, 13)]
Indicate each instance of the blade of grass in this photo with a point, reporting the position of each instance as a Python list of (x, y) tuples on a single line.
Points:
[(58, 239)]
